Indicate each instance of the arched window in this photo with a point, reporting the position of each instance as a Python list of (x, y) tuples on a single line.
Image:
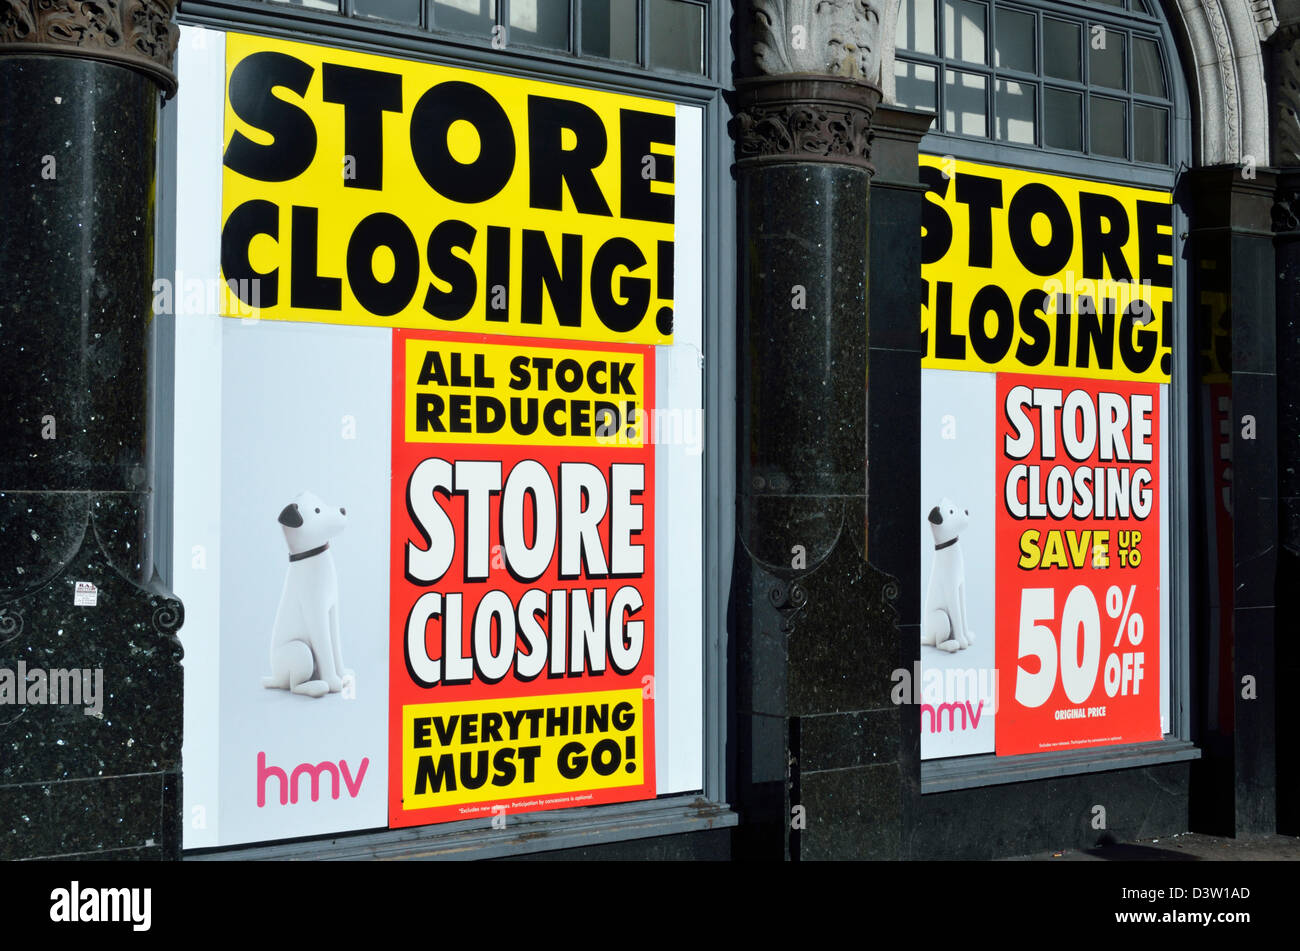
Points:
[(1059, 77)]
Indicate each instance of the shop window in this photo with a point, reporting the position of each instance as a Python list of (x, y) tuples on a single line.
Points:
[(1021, 75), (1053, 560), (658, 34)]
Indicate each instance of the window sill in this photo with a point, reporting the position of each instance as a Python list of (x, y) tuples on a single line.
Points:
[(988, 770), (476, 839)]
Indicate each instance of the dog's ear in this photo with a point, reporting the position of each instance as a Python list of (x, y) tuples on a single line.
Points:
[(291, 517), (936, 517)]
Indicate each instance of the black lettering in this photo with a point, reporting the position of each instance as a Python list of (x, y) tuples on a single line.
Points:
[(430, 778), (365, 94), (1096, 334), (981, 195), (619, 316), (563, 284), (991, 299), (1137, 358), (428, 413), (1103, 248), (947, 345), (306, 287), (452, 269), (936, 226), (1033, 351), (1031, 200), (551, 166), (293, 135), (432, 118), (383, 298), (245, 222), (637, 132), (1152, 245)]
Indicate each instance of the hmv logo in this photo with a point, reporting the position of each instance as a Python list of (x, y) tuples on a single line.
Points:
[(289, 784)]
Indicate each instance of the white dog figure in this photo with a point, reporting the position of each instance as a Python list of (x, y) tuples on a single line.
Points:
[(305, 654), (944, 625)]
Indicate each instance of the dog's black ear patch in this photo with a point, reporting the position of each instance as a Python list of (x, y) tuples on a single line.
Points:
[(291, 517), (936, 518)]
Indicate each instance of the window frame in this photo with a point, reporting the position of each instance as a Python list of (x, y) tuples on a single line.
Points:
[(1128, 24), (667, 814), (986, 769)]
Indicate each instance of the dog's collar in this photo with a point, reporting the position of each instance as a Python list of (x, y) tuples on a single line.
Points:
[(948, 544), (316, 551)]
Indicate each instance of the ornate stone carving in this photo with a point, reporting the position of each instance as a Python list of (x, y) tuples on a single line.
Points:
[(136, 33), (1265, 17), (1227, 73), (829, 37), (1286, 208), (803, 119), (1286, 95)]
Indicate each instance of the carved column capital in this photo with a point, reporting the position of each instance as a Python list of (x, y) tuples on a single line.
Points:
[(811, 37), (805, 87), (138, 34), (797, 118)]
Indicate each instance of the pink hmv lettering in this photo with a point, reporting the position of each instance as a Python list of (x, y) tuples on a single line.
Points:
[(289, 783)]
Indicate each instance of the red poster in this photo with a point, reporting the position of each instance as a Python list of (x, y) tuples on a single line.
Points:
[(1077, 563), (522, 628)]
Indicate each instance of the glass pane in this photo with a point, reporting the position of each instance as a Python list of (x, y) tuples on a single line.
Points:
[(1148, 77), (965, 103), (403, 11), (1063, 119), (1150, 134), (330, 5), (465, 16), (1106, 57), (1015, 40), (676, 36), (914, 85), (1061, 57), (1106, 126), (1141, 6), (1017, 116), (915, 26), (609, 29), (1112, 3), (540, 23), (963, 30)]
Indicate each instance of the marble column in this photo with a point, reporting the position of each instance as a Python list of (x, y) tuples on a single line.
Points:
[(1235, 500), (1285, 94), (817, 771), (90, 675)]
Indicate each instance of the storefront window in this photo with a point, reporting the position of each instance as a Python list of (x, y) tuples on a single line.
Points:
[(659, 34), (1042, 67)]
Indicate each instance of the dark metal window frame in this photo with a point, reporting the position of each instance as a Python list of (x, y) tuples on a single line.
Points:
[(670, 814), (985, 769), (1130, 24), (327, 21)]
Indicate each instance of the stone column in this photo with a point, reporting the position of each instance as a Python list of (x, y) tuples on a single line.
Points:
[(1234, 538), (817, 639), (90, 676), (1285, 94)]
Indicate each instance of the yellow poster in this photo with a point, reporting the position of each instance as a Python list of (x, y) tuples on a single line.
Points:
[(365, 190), (1033, 273)]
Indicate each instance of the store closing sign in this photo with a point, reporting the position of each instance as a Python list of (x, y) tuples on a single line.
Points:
[(522, 655), (366, 190), (1047, 322)]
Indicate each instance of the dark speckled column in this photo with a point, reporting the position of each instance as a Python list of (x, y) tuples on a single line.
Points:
[(90, 687), (1234, 784), (817, 636)]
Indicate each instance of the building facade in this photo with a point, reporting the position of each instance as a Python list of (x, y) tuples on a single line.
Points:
[(666, 430)]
